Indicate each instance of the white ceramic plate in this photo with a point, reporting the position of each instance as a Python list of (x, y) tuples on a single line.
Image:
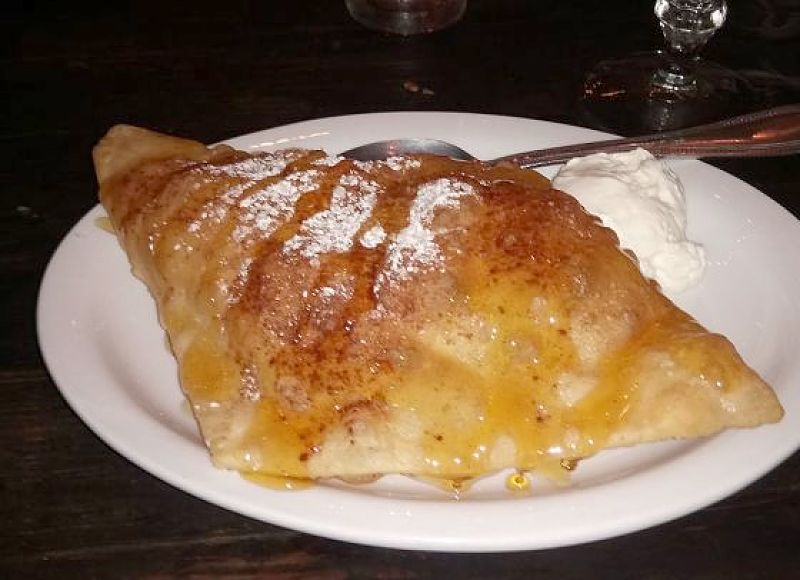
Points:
[(102, 342)]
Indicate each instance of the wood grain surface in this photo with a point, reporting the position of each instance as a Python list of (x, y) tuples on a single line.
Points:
[(72, 508)]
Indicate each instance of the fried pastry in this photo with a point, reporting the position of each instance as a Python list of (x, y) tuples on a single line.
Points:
[(418, 315)]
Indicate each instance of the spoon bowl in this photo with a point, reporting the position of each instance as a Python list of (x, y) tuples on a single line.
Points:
[(395, 147)]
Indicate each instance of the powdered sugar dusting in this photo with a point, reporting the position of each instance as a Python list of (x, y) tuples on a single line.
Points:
[(242, 275), (328, 161), (332, 230), (248, 388), (266, 209), (373, 237), (397, 163), (414, 248), (437, 194), (252, 170), (212, 211), (258, 167), (365, 165), (338, 289)]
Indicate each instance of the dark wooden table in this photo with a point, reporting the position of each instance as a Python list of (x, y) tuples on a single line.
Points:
[(72, 508)]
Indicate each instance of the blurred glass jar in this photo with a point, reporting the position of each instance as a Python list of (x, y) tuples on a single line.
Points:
[(406, 17)]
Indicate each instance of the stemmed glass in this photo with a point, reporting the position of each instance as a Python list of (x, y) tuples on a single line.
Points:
[(672, 88)]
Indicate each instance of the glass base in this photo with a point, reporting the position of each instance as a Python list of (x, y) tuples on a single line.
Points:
[(645, 94), (406, 17)]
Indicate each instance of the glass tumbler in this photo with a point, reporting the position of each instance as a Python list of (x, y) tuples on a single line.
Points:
[(406, 17)]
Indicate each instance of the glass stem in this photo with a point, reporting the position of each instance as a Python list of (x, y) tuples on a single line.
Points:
[(687, 26)]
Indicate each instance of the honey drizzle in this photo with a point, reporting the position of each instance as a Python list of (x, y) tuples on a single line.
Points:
[(518, 482), (278, 482), (453, 486), (104, 223)]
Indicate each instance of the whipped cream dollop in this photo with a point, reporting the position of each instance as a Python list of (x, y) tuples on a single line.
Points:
[(642, 200)]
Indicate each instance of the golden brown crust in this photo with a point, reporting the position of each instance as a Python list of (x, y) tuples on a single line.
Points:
[(421, 316)]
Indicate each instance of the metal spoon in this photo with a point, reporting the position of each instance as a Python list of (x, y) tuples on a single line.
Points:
[(762, 134)]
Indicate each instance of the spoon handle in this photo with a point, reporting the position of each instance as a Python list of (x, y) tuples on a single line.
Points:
[(764, 133)]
